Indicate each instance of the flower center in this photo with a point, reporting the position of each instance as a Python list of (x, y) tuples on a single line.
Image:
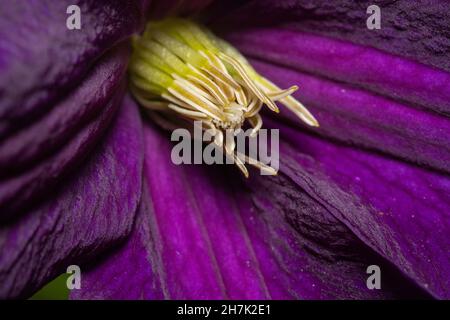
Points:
[(180, 71)]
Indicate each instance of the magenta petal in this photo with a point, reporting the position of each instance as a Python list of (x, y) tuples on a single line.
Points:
[(91, 210), (396, 77), (206, 235), (361, 118), (398, 209)]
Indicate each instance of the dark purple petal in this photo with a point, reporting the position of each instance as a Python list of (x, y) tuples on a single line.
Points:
[(93, 209), (128, 272), (362, 118), (41, 60), (81, 106), (415, 29), (162, 9), (393, 76), (398, 209), (59, 88), (407, 219), (34, 159), (204, 234)]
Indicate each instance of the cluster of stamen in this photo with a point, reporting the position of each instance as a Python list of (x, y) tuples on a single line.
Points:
[(179, 70)]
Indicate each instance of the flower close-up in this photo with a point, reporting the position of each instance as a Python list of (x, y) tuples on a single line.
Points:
[(353, 202)]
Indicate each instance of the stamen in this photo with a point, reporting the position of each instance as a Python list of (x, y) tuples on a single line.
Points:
[(194, 115), (150, 74), (142, 85), (241, 97), (226, 87), (219, 138), (209, 85), (278, 95), (183, 51), (249, 82), (256, 123), (181, 72), (170, 97), (209, 125), (292, 104), (218, 68), (258, 164), (240, 165), (191, 87), (230, 145), (254, 109), (175, 63), (189, 98)]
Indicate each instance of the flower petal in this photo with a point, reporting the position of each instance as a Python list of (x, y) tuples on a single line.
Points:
[(396, 77), (90, 211), (36, 31), (35, 158), (418, 30), (398, 209), (162, 9), (361, 118), (204, 234), (54, 111)]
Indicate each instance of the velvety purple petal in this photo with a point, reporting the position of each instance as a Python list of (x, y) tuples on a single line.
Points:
[(409, 223), (396, 77), (130, 270), (359, 117), (82, 105), (91, 210), (33, 159), (415, 29), (206, 234), (400, 210), (41, 60)]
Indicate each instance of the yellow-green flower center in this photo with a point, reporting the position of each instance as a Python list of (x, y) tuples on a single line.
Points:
[(180, 70)]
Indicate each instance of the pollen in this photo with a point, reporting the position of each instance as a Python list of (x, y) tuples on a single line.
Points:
[(180, 72)]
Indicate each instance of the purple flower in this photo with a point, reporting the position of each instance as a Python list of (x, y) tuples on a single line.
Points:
[(85, 180)]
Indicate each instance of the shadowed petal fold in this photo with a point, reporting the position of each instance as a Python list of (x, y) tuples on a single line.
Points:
[(398, 209), (41, 60), (34, 159), (93, 209), (59, 89)]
